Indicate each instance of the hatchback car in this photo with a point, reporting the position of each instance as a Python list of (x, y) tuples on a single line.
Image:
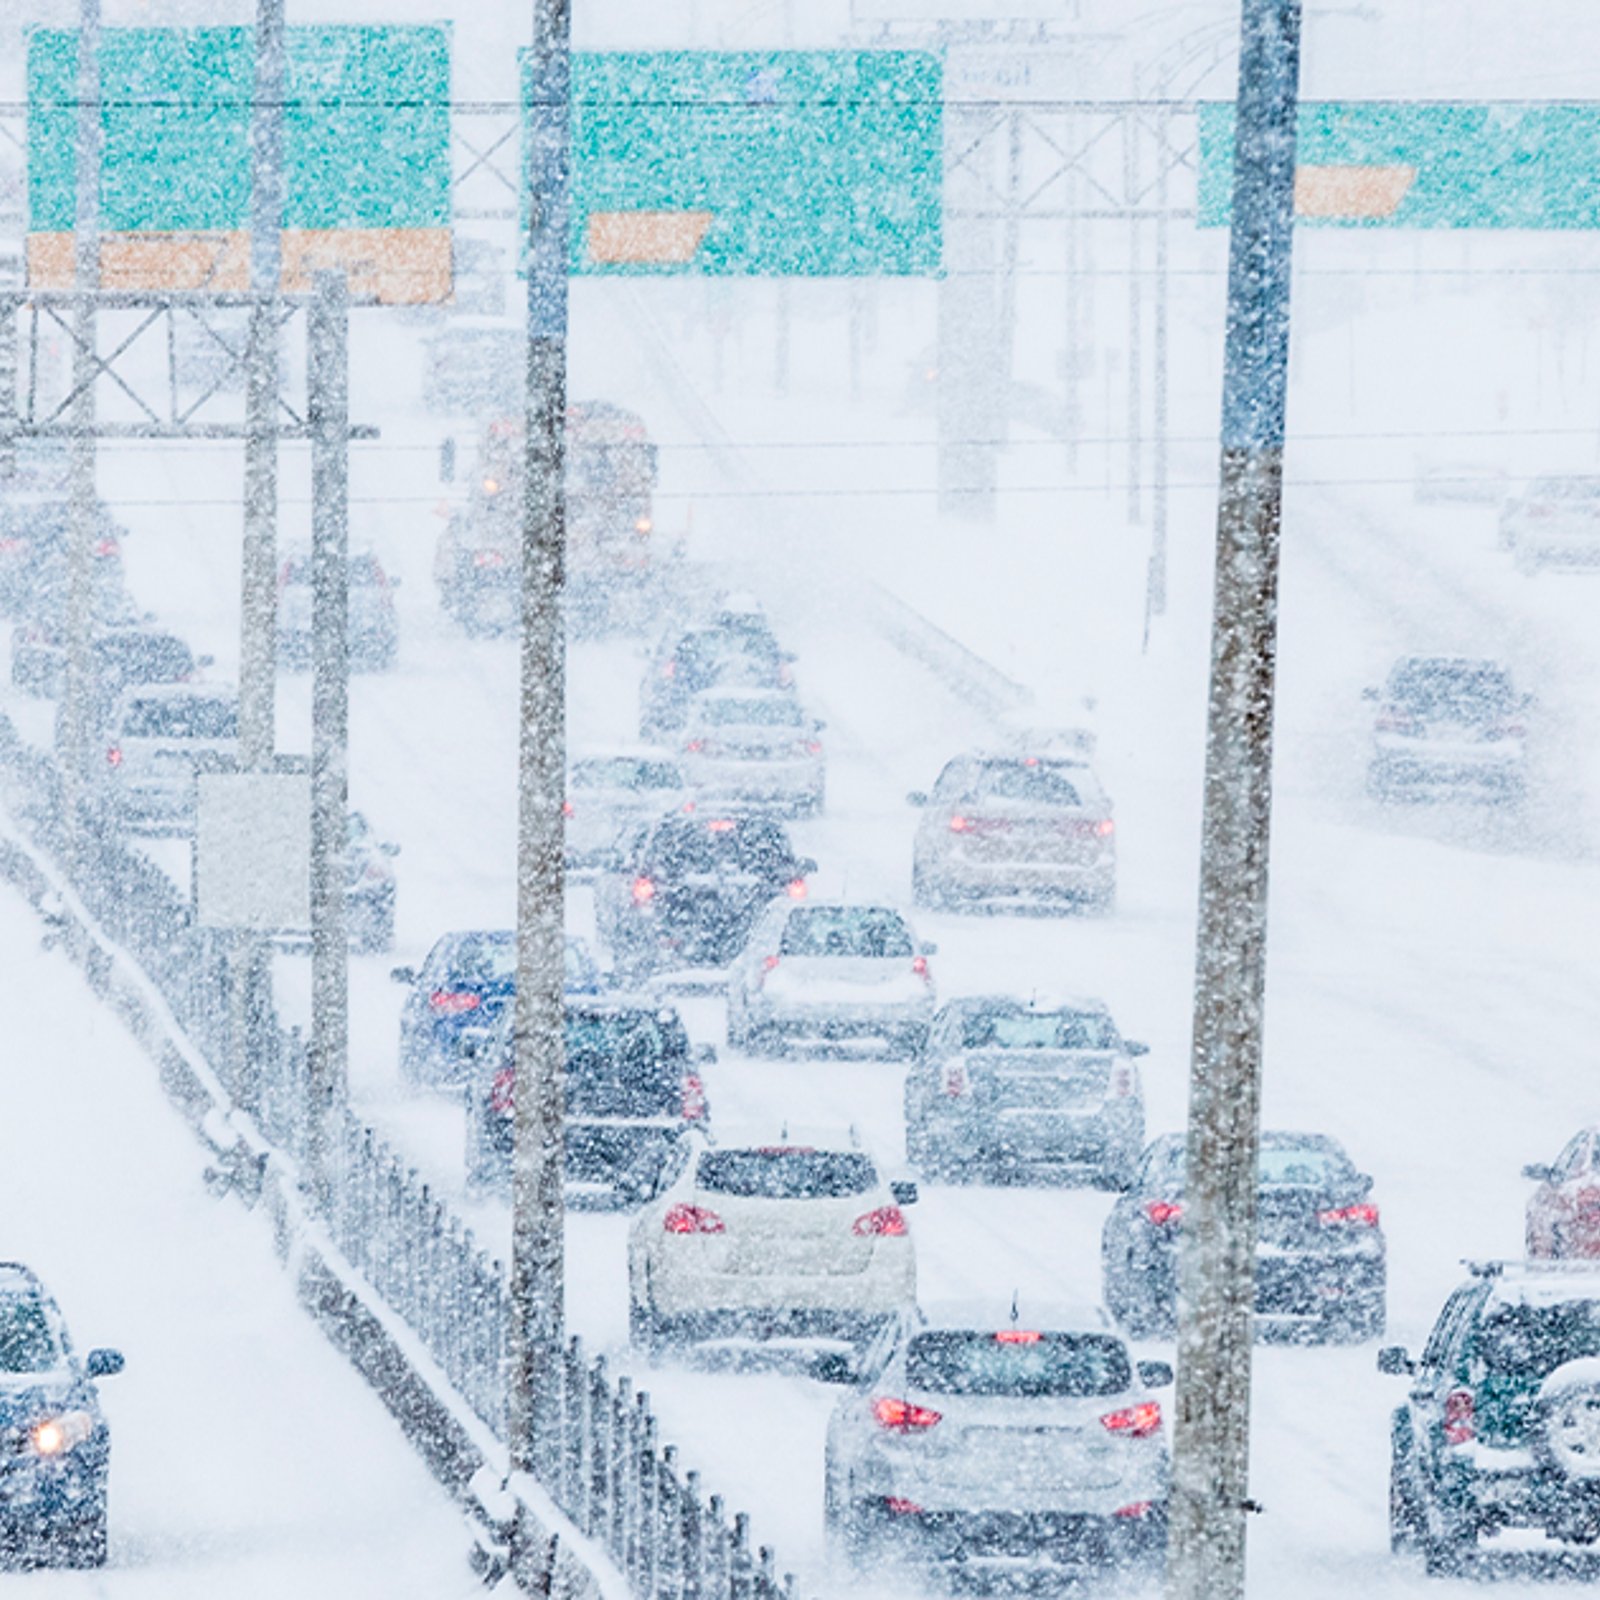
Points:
[(998, 1443), (55, 1445), (159, 735), (374, 628), (610, 792), (369, 886), (799, 1236), (754, 747), (33, 554), (688, 663), (1008, 827), (634, 1087), (1448, 724), (1042, 1089), (1501, 1427), (1554, 522), (1563, 1217), (1321, 1259), (830, 972), (456, 996), (686, 891)]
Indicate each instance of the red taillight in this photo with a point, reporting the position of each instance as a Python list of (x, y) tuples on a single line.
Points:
[(692, 1219), (1105, 827), (695, 746), (919, 965), (768, 964), (887, 1222), (1018, 1336), (955, 1079), (959, 824), (11, 546), (898, 1506), (1365, 1215), (644, 891), (1459, 1425), (1121, 1080), (502, 1092), (797, 888), (488, 558), (900, 1416), (1394, 722), (669, 669), (1137, 1422), (721, 825), (693, 1108), (1135, 1510), (452, 1002), (813, 747), (1162, 1212), (566, 808), (105, 547), (114, 756)]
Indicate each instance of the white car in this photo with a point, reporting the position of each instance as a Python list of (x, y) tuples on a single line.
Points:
[(374, 630), (830, 971), (798, 1237), (999, 1442), (1555, 522), (755, 747), (612, 791), (158, 735)]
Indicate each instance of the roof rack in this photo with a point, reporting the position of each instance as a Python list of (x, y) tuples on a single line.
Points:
[(1484, 1269)]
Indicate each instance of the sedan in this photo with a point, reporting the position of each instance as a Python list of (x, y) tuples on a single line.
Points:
[(56, 1453), (1555, 522), (459, 992), (610, 792), (1000, 1443), (1448, 725), (1321, 1260), (159, 735), (798, 1235), (689, 663), (1563, 1217), (369, 892), (1041, 1089), (830, 972), (374, 629), (754, 747)]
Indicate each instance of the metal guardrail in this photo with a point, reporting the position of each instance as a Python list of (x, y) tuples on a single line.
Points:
[(605, 1466)]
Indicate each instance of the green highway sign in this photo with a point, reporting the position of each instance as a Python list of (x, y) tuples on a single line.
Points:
[(1378, 163), (757, 163)]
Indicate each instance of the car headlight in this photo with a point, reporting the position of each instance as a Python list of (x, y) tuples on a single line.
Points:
[(55, 1436)]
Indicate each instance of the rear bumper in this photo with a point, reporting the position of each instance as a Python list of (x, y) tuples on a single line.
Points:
[(1520, 1494), (768, 1300), (1498, 765), (985, 1546), (968, 879), (863, 1020), (1090, 1140), (757, 783)]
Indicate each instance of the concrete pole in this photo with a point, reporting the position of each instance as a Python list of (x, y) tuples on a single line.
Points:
[(83, 507), (538, 1221), (328, 404), (1131, 131), (1211, 1436), (1156, 579)]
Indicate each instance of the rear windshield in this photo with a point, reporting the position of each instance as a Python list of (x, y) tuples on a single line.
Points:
[(1283, 1165), (624, 772), (1531, 1341), (181, 719), (1017, 1362), (1445, 687), (149, 656), (364, 571), (1566, 489), (760, 711), (26, 1342), (625, 1063), (786, 1174), (722, 844), (1041, 783), (488, 959), (1039, 1030), (845, 931)]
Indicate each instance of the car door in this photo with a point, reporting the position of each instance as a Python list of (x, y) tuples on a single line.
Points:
[(1436, 1375)]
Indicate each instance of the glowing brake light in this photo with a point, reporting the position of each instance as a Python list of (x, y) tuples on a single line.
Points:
[(491, 486), (1105, 827), (901, 1416), (898, 1506), (488, 558), (1137, 1422), (1121, 1080), (1460, 1425), (1161, 1212), (105, 547), (692, 1219), (669, 669), (1365, 1215), (566, 808), (1018, 1336), (721, 825), (693, 1108), (887, 1222), (769, 963), (452, 1002), (919, 965), (955, 1079), (642, 525), (694, 747), (502, 1092), (959, 824), (797, 889), (644, 891), (813, 747), (114, 756)]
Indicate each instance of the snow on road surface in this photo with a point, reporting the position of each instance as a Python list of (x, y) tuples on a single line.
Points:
[(248, 1459)]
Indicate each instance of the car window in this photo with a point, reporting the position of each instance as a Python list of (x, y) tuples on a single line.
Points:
[(1284, 1163), (181, 718), (1566, 489), (1451, 688), (474, 958), (1573, 1160), (863, 931), (953, 779), (759, 711), (786, 1173), (149, 657), (1530, 1341), (1016, 1028), (623, 1063), (1018, 1362), (1443, 1334), (27, 1343), (624, 772), (1043, 783), (721, 844)]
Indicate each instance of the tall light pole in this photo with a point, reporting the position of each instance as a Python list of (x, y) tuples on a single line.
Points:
[(538, 1218), (1211, 1437)]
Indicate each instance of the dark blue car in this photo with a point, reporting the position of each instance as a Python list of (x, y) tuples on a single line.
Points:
[(55, 1447), (457, 997)]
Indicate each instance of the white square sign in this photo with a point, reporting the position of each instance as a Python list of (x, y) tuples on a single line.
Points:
[(253, 851)]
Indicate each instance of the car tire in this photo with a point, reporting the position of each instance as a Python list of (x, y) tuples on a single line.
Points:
[(81, 1544), (1450, 1552)]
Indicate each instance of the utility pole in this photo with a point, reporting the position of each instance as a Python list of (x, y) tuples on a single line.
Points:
[(258, 579), (328, 407), (82, 503), (1156, 578), (538, 1218), (1132, 129), (1211, 1436)]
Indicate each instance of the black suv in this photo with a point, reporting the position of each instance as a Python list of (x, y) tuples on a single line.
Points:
[(634, 1088), (685, 891), (55, 1447), (1501, 1428)]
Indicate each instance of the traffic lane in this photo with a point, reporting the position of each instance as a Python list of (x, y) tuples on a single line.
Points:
[(249, 1458)]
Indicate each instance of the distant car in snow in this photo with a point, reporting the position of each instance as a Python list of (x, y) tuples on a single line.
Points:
[(56, 1459), (794, 1234), (1000, 1443), (690, 661), (369, 886), (1019, 827), (830, 972), (158, 735), (1043, 1089), (1321, 1258), (610, 792), (1554, 522), (374, 628), (1448, 725), (1563, 1216), (756, 748)]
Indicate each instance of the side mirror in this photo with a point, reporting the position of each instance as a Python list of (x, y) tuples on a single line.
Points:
[(904, 1192), (406, 975), (917, 797), (1135, 1047), (805, 866), (927, 948), (704, 1055), (1538, 1172), (1369, 694), (205, 661), (1155, 1374), (834, 1366), (388, 848), (104, 1363), (1394, 1361)]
